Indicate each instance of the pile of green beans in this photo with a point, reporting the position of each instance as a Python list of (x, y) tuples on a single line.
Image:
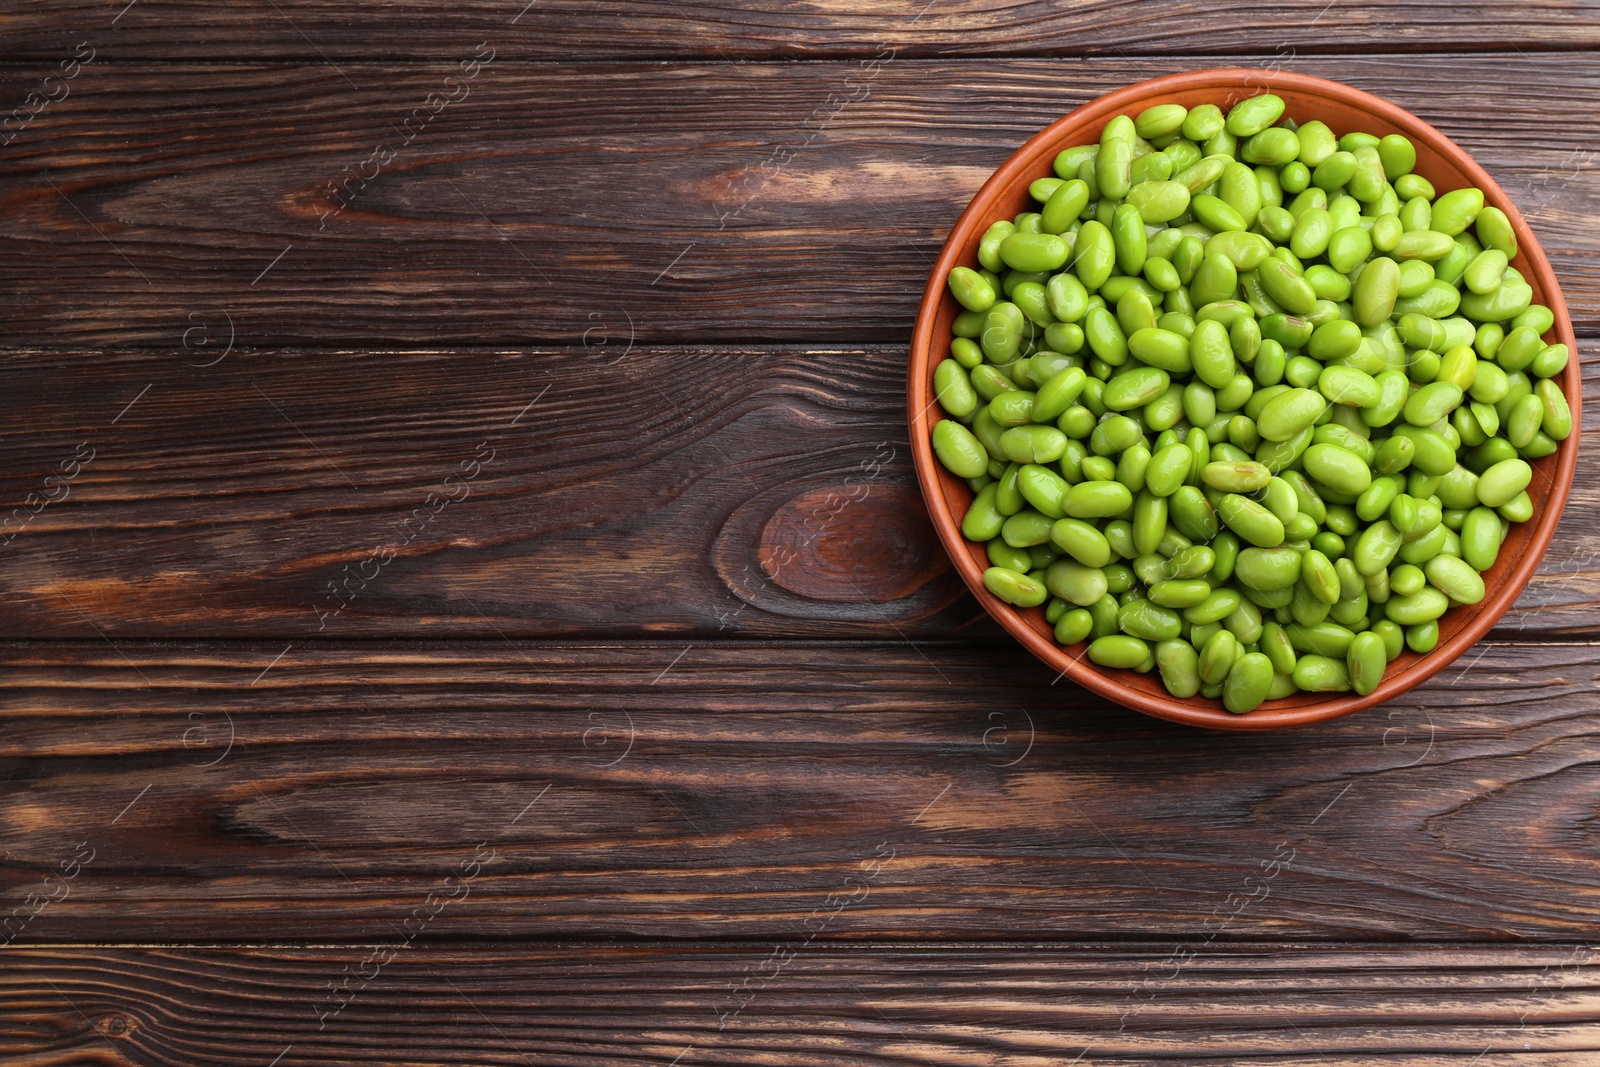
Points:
[(1246, 402)]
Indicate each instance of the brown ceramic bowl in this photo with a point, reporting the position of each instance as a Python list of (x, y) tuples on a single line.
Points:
[(1006, 193)]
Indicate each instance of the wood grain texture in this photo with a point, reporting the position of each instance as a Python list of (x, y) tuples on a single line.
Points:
[(318, 29), (162, 204), (757, 492), (1273, 1005), (939, 790)]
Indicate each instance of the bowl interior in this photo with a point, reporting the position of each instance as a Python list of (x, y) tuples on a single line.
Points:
[(1006, 193)]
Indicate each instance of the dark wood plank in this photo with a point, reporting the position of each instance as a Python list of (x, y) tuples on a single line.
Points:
[(1269, 1005), (744, 203), (262, 793), (317, 29), (701, 492)]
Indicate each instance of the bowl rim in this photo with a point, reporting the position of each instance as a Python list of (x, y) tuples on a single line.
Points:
[(920, 402)]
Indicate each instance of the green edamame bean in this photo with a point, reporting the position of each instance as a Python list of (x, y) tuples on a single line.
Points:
[(1064, 206), (1244, 623), (1289, 413), (1083, 542), (1149, 522), (1076, 583), (1375, 291), (1159, 201), (1168, 469), (1074, 625), (1438, 299), (1001, 338), (1097, 499), (1365, 661), (1068, 161), (1520, 507), (1162, 274), (1320, 578), (983, 520), (1040, 486), (1455, 578), (1321, 674), (1432, 402), (1242, 476), (1003, 555), (1407, 580), (1276, 647), (1217, 606), (1113, 169), (1524, 420), (1456, 210), (1118, 650), (1423, 244), (1386, 232), (1504, 480), (1012, 408), (1312, 233), (1017, 589), (1286, 286), (1423, 638), (1551, 361), (1192, 514), (1393, 392), (1104, 612), (1480, 538), (1393, 638), (1162, 349), (1057, 394), (1253, 114), (1150, 621), (1247, 684), (1346, 385), (1217, 656), (954, 389), (1416, 214), (1105, 337), (1486, 271), (1034, 252), (1179, 665), (1267, 569), (1160, 120), (1425, 605), (1025, 529), (1128, 238), (959, 450), (1203, 122), (1094, 255), (1251, 521), (1557, 420), (1415, 277), (1274, 146), (1180, 592), (1495, 231), (1376, 547), (1247, 251), (971, 289), (1136, 386)]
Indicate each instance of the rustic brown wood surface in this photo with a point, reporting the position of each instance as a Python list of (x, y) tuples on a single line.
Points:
[(415, 29), (410, 658), (1022, 1004), (177, 205), (724, 788)]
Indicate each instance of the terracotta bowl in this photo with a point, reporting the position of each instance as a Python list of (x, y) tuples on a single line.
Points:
[(1006, 193)]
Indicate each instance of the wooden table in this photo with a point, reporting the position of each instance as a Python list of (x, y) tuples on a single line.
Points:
[(470, 601)]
